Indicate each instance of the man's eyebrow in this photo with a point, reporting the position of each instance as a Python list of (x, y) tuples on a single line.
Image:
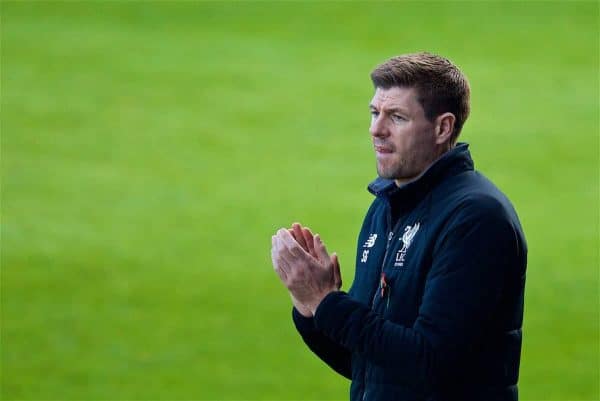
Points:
[(390, 109)]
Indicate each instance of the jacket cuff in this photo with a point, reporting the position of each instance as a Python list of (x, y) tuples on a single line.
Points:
[(333, 312), (303, 324)]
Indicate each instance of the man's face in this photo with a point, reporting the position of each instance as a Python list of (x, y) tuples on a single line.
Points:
[(403, 138)]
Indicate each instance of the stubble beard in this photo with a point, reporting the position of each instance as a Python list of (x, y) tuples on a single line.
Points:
[(392, 172), (398, 171)]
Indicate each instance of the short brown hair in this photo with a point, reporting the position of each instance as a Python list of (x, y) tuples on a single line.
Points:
[(441, 87)]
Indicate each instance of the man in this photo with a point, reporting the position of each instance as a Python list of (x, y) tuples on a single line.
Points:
[(436, 307)]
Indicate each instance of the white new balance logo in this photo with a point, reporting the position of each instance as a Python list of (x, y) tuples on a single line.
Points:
[(368, 244), (371, 241)]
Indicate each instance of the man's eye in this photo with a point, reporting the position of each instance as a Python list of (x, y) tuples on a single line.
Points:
[(374, 113), (397, 117)]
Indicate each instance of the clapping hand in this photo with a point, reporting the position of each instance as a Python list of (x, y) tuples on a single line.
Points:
[(303, 264)]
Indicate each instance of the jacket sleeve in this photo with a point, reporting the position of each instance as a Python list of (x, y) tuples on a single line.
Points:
[(462, 291), (334, 355)]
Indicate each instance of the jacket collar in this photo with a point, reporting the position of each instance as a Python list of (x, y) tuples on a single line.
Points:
[(456, 160)]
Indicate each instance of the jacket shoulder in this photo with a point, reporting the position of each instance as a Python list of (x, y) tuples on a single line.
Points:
[(476, 194), (472, 199)]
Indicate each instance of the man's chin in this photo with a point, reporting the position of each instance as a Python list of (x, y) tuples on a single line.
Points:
[(393, 175), (385, 173)]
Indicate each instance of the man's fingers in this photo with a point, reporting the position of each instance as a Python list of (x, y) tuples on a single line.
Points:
[(320, 249), (288, 241), (273, 248), (309, 238), (288, 257), (299, 236), (283, 271), (275, 253), (277, 244), (337, 274)]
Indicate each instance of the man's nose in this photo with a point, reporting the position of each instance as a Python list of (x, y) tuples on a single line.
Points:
[(378, 128)]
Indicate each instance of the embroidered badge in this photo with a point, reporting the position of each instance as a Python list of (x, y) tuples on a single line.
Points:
[(407, 239)]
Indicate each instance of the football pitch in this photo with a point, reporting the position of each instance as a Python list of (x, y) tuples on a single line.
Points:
[(150, 150)]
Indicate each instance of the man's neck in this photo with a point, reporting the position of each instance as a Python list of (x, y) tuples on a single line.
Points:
[(440, 153)]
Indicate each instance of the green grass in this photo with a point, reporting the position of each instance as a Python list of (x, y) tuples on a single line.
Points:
[(149, 150)]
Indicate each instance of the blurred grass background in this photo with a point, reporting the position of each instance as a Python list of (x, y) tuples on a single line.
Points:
[(150, 149)]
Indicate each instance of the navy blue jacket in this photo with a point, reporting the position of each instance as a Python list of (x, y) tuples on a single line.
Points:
[(436, 307)]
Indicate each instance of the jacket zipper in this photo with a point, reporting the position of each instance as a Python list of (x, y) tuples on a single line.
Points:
[(390, 236)]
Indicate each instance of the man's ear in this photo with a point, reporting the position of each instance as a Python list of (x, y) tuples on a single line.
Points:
[(444, 128)]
